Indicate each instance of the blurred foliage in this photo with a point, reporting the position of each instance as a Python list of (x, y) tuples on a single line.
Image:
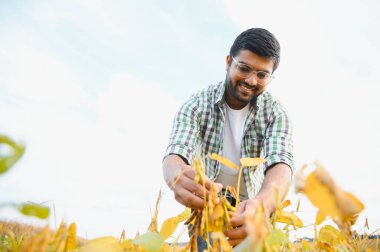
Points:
[(264, 234), (10, 153), (13, 152)]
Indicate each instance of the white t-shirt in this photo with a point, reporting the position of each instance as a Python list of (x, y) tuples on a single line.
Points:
[(232, 136)]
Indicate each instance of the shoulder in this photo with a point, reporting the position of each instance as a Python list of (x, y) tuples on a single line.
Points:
[(271, 104), (207, 96)]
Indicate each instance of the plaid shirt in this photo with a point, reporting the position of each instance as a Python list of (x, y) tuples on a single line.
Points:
[(198, 127)]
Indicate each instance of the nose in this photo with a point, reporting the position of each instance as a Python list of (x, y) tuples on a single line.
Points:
[(252, 80)]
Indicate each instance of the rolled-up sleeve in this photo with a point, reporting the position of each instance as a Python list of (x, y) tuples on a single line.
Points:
[(278, 141), (184, 138)]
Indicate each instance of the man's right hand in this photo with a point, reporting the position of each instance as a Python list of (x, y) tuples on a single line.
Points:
[(180, 177)]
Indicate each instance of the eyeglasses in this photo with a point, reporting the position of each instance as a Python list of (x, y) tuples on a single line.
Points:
[(245, 71)]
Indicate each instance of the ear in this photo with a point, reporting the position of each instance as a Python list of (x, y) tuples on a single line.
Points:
[(228, 61)]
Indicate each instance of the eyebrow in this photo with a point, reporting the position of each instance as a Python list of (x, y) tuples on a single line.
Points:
[(242, 62)]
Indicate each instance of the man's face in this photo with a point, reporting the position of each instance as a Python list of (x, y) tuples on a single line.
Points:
[(241, 90)]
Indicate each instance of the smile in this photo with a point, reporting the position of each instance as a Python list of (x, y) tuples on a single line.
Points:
[(248, 88)]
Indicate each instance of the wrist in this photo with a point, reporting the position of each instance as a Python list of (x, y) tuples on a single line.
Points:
[(268, 199), (172, 171)]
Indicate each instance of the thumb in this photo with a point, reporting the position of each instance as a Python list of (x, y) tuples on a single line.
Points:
[(241, 207), (219, 186)]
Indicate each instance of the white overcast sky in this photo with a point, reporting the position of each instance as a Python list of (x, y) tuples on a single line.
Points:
[(92, 86)]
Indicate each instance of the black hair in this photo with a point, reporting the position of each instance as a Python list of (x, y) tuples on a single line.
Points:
[(259, 41)]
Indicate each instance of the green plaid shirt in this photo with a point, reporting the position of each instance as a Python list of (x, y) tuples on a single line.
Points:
[(198, 127)]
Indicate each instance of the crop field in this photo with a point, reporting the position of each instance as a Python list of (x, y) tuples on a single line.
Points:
[(264, 234)]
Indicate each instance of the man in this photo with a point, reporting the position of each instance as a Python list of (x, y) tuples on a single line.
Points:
[(235, 118)]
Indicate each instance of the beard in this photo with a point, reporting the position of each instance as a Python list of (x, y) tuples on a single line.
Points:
[(242, 92)]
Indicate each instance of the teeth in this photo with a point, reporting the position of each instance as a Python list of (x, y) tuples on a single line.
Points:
[(246, 89)]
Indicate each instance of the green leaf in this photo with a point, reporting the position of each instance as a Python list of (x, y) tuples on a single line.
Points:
[(244, 246), (31, 209), (16, 151), (248, 246), (150, 241), (277, 238), (330, 235)]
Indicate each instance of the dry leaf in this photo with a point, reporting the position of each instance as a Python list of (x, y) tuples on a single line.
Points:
[(224, 161), (288, 218), (286, 203), (247, 162), (153, 227), (340, 205), (319, 218), (170, 225), (71, 242)]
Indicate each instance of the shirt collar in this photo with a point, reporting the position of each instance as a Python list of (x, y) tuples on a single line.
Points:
[(220, 97)]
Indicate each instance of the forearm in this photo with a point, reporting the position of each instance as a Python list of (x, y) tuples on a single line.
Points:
[(276, 184)]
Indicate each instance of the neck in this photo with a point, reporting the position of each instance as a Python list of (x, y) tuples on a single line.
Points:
[(233, 103)]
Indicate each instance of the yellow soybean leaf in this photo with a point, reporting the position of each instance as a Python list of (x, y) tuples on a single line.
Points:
[(170, 225), (224, 161), (330, 235), (305, 245), (288, 218), (252, 161), (286, 203), (168, 228), (316, 191), (319, 218), (184, 215), (336, 203), (349, 205), (108, 243), (325, 247)]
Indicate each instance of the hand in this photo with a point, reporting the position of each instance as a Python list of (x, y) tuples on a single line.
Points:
[(187, 192), (240, 232)]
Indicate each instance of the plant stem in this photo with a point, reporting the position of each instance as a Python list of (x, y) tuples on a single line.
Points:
[(238, 186)]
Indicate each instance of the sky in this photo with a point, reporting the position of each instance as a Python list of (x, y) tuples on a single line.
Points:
[(91, 88)]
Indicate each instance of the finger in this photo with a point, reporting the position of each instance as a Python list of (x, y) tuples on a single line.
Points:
[(241, 207), (208, 183), (236, 233), (193, 188), (237, 218), (188, 199), (200, 188), (219, 186), (235, 242), (185, 190)]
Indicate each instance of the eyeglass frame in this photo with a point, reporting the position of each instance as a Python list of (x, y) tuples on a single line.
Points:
[(251, 72)]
